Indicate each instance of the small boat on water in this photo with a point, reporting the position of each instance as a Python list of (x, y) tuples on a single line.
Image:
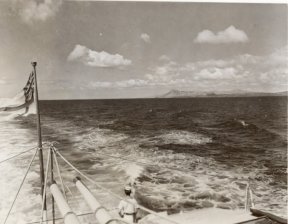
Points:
[(249, 215)]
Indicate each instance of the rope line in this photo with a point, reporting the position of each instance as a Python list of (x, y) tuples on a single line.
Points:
[(45, 186), (23, 180), (110, 192), (61, 180), (14, 156), (68, 189)]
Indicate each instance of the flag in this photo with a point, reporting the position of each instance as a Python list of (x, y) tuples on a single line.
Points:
[(24, 99)]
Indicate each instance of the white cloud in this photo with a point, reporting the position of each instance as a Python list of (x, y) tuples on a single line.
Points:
[(239, 72), (279, 57), (274, 67), (100, 84), (2, 82), (164, 58), (97, 59), (31, 11), (132, 83), (145, 37), (257, 73), (215, 73), (277, 76), (230, 35), (119, 84), (164, 73)]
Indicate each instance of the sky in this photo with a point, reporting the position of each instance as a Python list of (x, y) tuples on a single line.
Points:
[(91, 50)]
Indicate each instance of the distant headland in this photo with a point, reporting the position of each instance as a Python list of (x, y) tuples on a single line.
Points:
[(237, 93)]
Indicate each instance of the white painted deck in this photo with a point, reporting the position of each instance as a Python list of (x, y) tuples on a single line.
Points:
[(203, 216)]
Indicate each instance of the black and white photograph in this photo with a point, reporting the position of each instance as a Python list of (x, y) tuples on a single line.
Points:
[(149, 112)]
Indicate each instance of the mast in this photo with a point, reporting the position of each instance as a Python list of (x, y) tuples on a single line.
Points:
[(52, 181), (40, 151)]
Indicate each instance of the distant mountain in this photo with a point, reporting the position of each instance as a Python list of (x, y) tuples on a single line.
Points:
[(236, 93)]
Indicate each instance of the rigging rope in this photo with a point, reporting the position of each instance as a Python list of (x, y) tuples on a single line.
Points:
[(59, 174), (14, 156), (61, 180), (112, 193), (28, 168), (68, 189)]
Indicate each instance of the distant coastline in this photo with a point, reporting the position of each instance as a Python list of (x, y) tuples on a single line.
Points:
[(193, 94)]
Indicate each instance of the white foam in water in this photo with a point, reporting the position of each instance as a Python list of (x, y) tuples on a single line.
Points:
[(184, 137), (133, 171), (105, 137), (14, 140), (208, 179), (243, 123)]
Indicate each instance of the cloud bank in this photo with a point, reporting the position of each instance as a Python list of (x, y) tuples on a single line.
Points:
[(30, 11), (97, 59), (145, 37), (246, 72), (230, 35)]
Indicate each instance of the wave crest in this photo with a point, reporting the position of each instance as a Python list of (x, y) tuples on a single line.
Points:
[(184, 138)]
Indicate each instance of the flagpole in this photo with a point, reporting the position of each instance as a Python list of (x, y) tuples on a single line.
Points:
[(52, 181), (39, 136)]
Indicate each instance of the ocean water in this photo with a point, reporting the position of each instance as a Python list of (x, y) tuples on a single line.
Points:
[(181, 154)]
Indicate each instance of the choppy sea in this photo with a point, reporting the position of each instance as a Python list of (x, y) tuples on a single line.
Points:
[(181, 154)]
